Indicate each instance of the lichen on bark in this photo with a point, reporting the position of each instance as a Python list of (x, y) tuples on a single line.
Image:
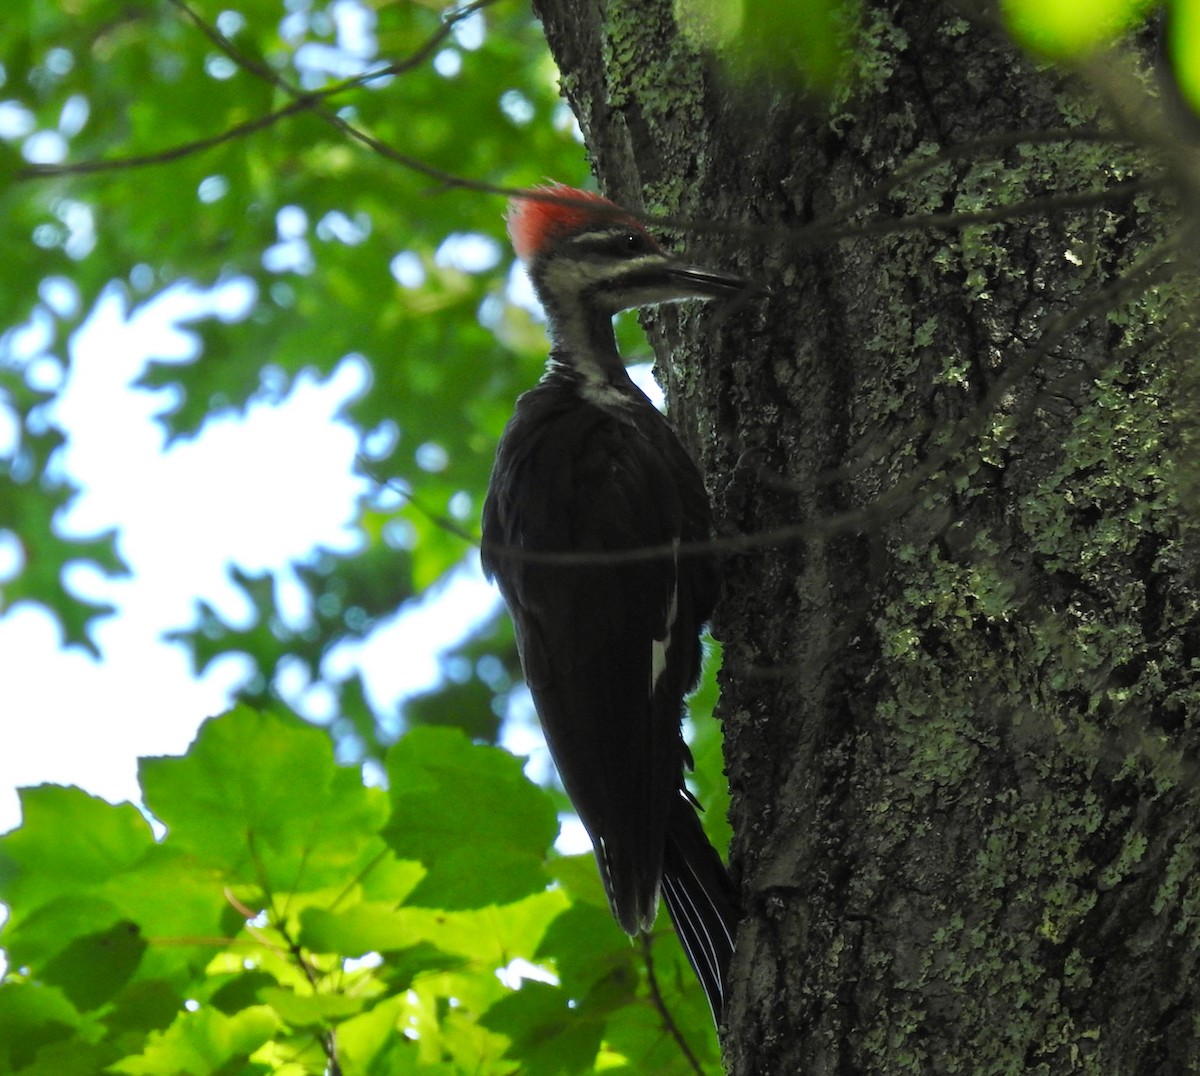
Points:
[(961, 699)]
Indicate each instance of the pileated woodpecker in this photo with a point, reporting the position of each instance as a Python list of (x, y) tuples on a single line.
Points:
[(591, 503)]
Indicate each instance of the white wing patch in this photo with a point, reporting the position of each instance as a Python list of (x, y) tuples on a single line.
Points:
[(659, 647)]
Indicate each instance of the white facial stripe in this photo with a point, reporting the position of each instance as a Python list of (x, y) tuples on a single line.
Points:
[(565, 274)]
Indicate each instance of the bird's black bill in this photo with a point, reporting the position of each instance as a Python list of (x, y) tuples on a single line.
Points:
[(710, 283)]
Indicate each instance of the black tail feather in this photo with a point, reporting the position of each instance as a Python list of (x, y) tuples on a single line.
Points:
[(702, 902)]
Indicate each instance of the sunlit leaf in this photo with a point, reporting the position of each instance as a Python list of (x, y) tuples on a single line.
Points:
[(475, 853), (1183, 46), (1065, 29), (546, 1037), (203, 1042), (68, 839), (259, 799), (803, 43)]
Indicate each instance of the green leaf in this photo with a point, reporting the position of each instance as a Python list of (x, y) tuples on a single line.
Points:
[(35, 937), (201, 1042), (586, 946), (32, 1017), (467, 703), (260, 799), (369, 1044), (197, 915), (146, 1005), (31, 512), (799, 42), (471, 816), (310, 1010), (1183, 47), (1066, 29), (358, 930), (547, 1037), (75, 1057), (707, 746), (578, 876), (241, 991), (637, 1032), (69, 840), (348, 597), (91, 969), (419, 939)]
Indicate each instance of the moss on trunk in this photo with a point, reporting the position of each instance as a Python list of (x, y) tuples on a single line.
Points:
[(962, 706)]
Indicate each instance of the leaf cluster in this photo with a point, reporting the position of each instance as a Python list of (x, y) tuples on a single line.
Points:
[(289, 919)]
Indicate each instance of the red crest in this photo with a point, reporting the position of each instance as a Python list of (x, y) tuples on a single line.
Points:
[(534, 224)]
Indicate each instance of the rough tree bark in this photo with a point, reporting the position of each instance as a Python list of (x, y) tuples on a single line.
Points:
[(962, 703)]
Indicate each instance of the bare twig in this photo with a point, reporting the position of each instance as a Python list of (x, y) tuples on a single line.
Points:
[(664, 1013), (434, 517), (1156, 268), (326, 1036), (277, 915), (267, 74), (171, 153), (819, 234)]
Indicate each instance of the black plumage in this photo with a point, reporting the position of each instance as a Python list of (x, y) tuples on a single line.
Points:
[(593, 528)]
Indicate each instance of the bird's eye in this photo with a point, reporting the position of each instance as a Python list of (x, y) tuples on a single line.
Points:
[(633, 242)]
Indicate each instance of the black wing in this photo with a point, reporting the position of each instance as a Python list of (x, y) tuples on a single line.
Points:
[(610, 647)]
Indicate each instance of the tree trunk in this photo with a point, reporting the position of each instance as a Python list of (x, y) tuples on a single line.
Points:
[(962, 637)]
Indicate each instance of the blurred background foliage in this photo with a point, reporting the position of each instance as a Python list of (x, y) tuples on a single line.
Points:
[(201, 160)]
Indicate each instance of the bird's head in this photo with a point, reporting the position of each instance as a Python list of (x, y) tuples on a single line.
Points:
[(582, 250)]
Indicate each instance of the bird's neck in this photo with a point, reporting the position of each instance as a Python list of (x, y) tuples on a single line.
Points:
[(582, 340)]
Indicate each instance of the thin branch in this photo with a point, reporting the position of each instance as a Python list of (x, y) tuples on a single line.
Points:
[(171, 153), (1156, 268), (664, 1013), (349, 888), (1032, 207), (819, 233), (436, 518), (328, 1042), (302, 101), (417, 58), (326, 1036), (813, 235), (267, 74), (247, 63), (822, 233)]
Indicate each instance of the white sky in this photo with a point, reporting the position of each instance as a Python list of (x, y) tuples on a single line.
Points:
[(260, 491)]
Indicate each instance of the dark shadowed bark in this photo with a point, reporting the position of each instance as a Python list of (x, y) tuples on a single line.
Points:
[(961, 700)]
